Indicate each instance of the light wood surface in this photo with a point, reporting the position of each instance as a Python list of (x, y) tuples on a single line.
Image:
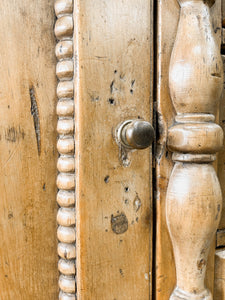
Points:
[(28, 260), (168, 17), (113, 190)]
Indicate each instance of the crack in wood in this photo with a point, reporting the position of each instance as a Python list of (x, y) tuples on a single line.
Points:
[(35, 114)]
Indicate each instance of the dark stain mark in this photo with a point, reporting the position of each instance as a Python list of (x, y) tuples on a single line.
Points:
[(121, 273), (122, 76), (94, 98), (218, 212), (132, 83), (106, 230), (216, 29), (10, 215), (35, 114), (216, 75), (126, 189), (12, 134), (100, 57), (137, 219), (119, 223), (8, 106), (44, 187), (112, 86), (106, 179), (201, 264), (126, 201), (111, 101)]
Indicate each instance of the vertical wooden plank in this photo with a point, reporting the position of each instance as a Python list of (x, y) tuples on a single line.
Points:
[(113, 201), (28, 260), (168, 16)]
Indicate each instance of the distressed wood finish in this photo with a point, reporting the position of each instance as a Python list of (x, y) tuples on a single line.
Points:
[(113, 194), (28, 260), (66, 148), (193, 204), (168, 18)]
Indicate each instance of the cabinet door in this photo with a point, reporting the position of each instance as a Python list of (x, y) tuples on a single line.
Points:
[(28, 258), (132, 222)]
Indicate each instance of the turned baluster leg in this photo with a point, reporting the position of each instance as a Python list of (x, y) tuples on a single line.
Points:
[(194, 200)]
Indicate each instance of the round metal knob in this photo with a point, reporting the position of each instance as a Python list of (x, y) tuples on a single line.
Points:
[(136, 134)]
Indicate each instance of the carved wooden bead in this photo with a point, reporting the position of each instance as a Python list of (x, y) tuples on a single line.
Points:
[(65, 89), (66, 267), (67, 284), (66, 181), (66, 145), (67, 251), (63, 7), (66, 296), (64, 27), (66, 198), (66, 164), (66, 216), (65, 108), (65, 126), (64, 49), (64, 69), (66, 234)]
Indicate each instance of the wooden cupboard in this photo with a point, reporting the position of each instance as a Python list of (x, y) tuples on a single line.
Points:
[(84, 214)]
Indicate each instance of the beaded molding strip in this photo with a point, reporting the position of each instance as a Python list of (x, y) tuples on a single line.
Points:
[(66, 149)]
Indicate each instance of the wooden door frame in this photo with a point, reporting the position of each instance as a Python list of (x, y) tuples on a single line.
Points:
[(67, 52)]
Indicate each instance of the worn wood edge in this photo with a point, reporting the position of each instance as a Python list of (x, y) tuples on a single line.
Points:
[(66, 232), (219, 291), (220, 238)]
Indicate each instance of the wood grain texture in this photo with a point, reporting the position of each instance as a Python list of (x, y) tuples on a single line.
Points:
[(28, 260), (113, 194), (168, 16)]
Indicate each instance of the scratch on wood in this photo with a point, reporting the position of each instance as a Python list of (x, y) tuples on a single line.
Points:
[(35, 114)]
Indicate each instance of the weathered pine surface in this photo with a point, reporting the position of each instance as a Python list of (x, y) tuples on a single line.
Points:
[(113, 82), (28, 258), (168, 17)]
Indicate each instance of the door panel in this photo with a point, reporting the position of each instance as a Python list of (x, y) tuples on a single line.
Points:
[(113, 83), (28, 260)]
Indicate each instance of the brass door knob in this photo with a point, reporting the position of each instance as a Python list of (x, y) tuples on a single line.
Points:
[(135, 134)]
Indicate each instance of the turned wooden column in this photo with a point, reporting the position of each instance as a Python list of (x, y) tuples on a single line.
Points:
[(194, 200)]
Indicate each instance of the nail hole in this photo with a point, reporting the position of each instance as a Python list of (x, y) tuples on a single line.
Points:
[(106, 179), (131, 91), (126, 189), (111, 101), (115, 71)]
